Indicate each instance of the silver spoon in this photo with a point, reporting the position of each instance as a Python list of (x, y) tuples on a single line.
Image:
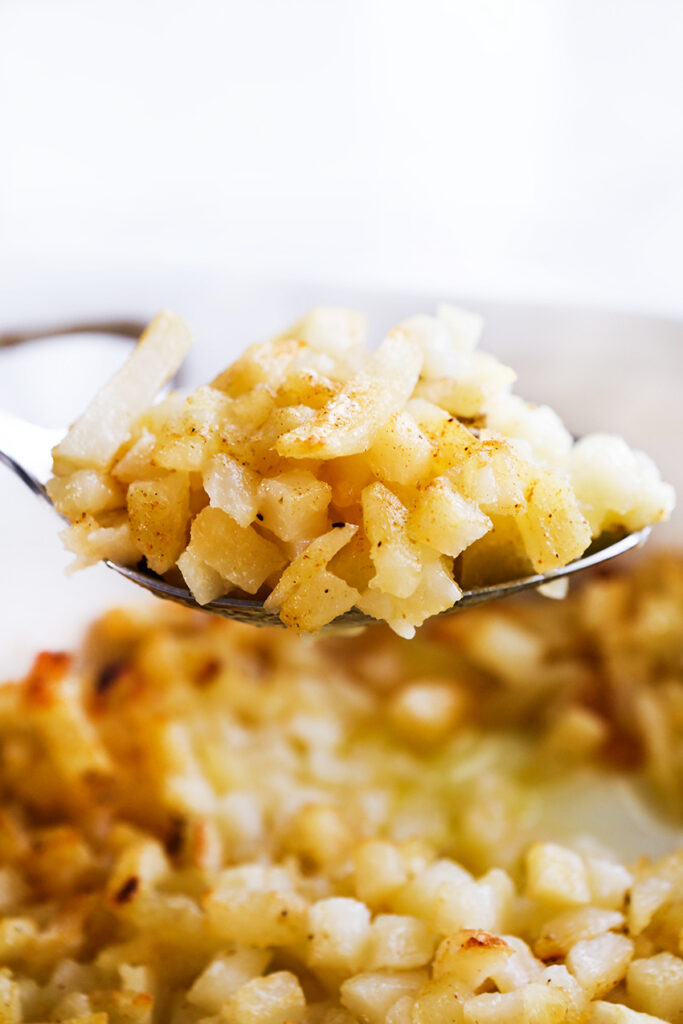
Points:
[(25, 448)]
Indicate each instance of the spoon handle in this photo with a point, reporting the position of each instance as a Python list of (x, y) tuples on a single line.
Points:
[(25, 448)]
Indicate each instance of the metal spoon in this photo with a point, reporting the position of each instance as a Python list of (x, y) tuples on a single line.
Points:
[(25, 448)]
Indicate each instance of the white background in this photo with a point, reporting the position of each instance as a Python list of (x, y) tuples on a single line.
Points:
[(528, 148)]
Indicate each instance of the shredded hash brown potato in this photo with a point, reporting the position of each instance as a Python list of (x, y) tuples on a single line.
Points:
[(203, 822), (321, 476)]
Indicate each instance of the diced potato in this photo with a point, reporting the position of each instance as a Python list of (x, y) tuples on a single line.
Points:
[(536, 425), (347, 477), (655, 985), (258, 918), (399, 943), (426, 711), (205, 583), (294, 505), (400, 452), (94, 438), (339, 934), (226, 974), (330, 329), (309, 563), (138, 461), (419, 896), (615, 484), (370, 996), (472, 956), (556, 875), (92, 542), (264, 364), (232, 487), (440, 1001), (600, 963), (86, 490), (159, 512), (276, 999), (379, 871), (444, 520), (319, 834), (240, 555), (394, 555), (553, 530), (351, 419), (307, 387), (560, 933), (435, 592)]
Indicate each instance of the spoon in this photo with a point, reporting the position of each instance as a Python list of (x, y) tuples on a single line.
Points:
[(26, 449)]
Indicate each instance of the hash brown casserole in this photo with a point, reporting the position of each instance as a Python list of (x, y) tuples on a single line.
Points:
[(202, 822)]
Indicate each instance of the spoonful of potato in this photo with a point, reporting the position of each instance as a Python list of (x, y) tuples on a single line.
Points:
[(314, 482)]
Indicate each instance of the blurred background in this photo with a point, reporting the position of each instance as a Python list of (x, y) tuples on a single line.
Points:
[(520, 148)]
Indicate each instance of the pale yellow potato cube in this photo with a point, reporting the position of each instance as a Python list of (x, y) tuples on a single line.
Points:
[(92, 543), (330, 329), (655, 985), (348, 423), (224, 975), (419, 896), (263, 364), (239, 554), (319, 834), (307, 387), (339, 929), (436, 592), (205, 583), (609, 881), (395, 557), (398, 942), (400, 452), (444, 520), (473, 956), (256, 918), (159, 512), (85, 490), (370, 996), (426, 711), (138, 461), (600, 963), (347, 477), (379, 871), (96, 436), (497, 556), (560, 933), (537, 426), (647, 896), (276, 999), (312, 561), (535, 1003), (232, 487), (556, 875), (440, 1001), (553, 530), (294, 504), (494, 476)]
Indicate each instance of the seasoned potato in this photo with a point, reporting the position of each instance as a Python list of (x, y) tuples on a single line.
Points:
[(159, 512), (449, 480), (239, 554)]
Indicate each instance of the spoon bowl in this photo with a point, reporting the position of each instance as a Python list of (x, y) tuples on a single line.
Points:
[(25, 448)]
